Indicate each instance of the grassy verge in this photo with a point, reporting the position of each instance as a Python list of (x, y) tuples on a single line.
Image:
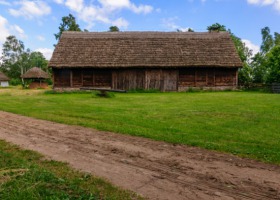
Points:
[(242, 123), (26, 175)]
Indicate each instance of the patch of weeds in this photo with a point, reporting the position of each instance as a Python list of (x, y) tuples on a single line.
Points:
[(96, 94)]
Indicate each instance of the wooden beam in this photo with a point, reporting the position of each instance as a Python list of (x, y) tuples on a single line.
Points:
[(71, 78)]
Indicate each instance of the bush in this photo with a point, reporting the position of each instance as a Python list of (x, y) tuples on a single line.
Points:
[(103, 94), (15, 81)]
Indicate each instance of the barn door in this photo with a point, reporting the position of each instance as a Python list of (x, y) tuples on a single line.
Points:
[(87, 78), (102, 78), (169, 80)]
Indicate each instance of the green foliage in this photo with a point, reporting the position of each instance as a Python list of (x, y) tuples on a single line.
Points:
[(68, 24), (16, 60), (262, 62), (273, 63), (190, 30), (114, 29), (245, 76), (267, 40), (26, 175), (216, 27), (15, 81), (245, 123), (103, 94)]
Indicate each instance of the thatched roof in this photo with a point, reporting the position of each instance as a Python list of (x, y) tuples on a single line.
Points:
[(36, 72), (145, 49), (3, 77)]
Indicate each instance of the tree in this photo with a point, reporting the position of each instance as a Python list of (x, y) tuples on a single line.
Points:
[(12, 52), (261, 68), (273, 64), (267, 40), (16, 60), (216, 27), (68, 24), (114, 29)]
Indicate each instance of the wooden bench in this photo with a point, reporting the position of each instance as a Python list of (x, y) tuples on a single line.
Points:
[(103, 91)]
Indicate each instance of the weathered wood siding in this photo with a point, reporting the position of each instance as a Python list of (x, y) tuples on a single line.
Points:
[(159, 79), (61, 77), (207, 77), (76, 78), (128, 79)]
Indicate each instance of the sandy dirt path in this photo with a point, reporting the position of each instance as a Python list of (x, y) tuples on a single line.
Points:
[(155, 170)]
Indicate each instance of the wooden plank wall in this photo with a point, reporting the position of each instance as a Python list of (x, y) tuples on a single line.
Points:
[(159, 79), (207, 77)]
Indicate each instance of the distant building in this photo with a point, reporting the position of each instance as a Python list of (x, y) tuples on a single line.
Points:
[(4, 80), (167, 61)]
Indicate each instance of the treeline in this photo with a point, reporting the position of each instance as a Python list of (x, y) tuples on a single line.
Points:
[(263, 67), (16, 60)]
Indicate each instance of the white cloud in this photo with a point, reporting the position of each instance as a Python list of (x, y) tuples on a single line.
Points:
[(59, 1), (40, 38), (7, 29), (145, 9), (274, 3), (4, 33), (18, 31), (5, 3), (185, 29), (170, 23), (103, 11), (255, 48), (76, 5), (46, 52), (120, 22), (30, 9), (115, 4)]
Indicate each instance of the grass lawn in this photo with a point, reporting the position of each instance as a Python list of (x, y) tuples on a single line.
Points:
[(25, 175), (242, 123)]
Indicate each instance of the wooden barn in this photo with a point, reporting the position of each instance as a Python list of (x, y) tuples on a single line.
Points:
[(167, 61)]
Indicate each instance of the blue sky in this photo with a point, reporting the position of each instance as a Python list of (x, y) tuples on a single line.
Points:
[(35, 21)]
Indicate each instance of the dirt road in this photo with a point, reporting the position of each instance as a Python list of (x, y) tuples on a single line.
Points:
[(155, 170)]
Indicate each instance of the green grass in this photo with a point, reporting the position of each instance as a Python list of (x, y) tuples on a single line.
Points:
[(26, 175), (242, 123)]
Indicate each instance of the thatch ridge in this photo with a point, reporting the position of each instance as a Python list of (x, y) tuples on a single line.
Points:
[(145, 49), (3, 77), (36, 72)]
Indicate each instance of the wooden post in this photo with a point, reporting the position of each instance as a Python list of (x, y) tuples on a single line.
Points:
[(195, 77), (236, 82), (214, 77), (71, 78), (53, 78)]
